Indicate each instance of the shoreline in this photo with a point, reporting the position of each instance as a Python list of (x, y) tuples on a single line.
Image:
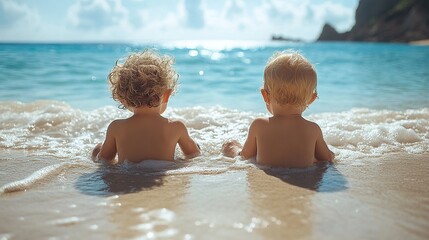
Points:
[(193, 43), (378, 198), (424, 42)]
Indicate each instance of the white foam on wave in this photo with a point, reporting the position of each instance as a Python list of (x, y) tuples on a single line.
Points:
[(363, 132), (52, 128), (37, 176)]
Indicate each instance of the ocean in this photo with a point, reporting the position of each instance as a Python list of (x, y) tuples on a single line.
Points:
[(55, 105), (229, 74), (372, 97)]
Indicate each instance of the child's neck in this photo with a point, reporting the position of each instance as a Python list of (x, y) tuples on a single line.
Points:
[(285, 110), (141, 111)]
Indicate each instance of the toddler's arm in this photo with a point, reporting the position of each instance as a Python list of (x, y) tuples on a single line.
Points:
[(322, 152), (233, 148), (106, 151), (188, 146), (95, 152)]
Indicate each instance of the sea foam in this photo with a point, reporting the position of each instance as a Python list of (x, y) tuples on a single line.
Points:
[(37, 176), (56, 129)]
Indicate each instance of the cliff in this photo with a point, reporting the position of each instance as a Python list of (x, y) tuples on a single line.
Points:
[(385, 21)]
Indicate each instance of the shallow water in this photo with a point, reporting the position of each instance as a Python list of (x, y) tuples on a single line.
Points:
[(245, 202), (54, 129), (373, 111)]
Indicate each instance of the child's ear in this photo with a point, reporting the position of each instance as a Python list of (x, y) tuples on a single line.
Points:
[(313, 97), (164, 100), (266, 96), (166, 95)]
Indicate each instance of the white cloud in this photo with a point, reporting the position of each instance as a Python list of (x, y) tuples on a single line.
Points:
[(194, 14), (97, 14), (13, 14), (233, 9), (141, 18), (299, 19), (118, 20), (335, 14)]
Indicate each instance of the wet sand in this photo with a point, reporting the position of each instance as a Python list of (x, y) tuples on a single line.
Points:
[(424, 42), (374, 198)]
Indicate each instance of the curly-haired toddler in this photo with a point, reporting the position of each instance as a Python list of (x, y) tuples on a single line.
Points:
[(143, 85)]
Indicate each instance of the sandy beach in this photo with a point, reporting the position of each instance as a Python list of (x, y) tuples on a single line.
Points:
[(424, 42), (373, 198)]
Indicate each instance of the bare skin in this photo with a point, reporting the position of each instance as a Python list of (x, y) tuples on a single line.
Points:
[(284, 140), (145, 135)]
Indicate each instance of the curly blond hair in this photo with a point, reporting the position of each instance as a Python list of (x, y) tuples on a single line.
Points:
[(290, 78), (142, 79)]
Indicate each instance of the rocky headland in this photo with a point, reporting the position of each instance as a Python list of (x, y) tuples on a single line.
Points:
[(385, 21)]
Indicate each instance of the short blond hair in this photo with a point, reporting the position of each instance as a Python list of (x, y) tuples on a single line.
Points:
[(142, 79), (290, 78)]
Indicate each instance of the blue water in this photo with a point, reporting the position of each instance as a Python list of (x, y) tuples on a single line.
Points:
[(229, 74), (373, 101)]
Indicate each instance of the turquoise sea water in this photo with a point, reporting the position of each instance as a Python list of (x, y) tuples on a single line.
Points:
[(229, 74), (55, 106), (373, 98)]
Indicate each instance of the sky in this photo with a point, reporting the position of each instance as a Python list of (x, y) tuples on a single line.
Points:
[(169, 20)]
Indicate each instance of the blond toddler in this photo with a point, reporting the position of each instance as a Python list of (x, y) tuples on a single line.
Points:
[(286, 139)]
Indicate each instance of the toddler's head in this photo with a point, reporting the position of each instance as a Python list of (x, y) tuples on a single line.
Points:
[(289, 78), (142, 79)]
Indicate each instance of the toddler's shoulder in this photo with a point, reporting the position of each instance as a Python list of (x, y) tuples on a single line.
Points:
[(259, 123), (313, 126), (116, 123), (311, 122), (177, 125), (261, 120), (114, 128)]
